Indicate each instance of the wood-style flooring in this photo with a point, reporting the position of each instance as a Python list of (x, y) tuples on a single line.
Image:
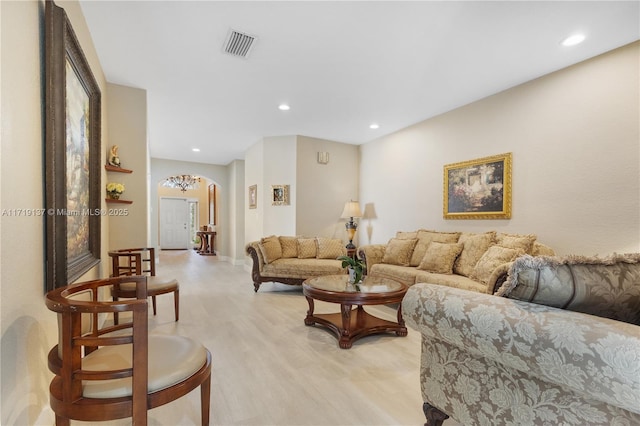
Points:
[(271, 369)]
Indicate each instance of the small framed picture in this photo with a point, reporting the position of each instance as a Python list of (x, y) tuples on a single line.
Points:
[(280, 195), (253, 196)]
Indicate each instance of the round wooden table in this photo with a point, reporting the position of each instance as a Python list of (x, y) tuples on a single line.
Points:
[(351, 324)]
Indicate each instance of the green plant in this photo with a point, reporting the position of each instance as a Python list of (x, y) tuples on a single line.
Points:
[(357, 265)]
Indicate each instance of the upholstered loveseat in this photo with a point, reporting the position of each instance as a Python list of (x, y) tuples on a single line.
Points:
[(291, 260), (490, 360), (470, 261)]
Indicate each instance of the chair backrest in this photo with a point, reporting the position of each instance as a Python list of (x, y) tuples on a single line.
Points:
[(77, 339), (133, 261)]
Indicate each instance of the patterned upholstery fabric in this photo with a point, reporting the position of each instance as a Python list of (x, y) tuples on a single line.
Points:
[(289, 246), (303, 268), (330, 248), (407, 235), (475, 245), (607, 287), (491, 259), (439, 257), (488, 360), (516, 241), (425, 237), (456, 281), (404, 274), (307, 248), (270, 248), (398, 252), (540, 249)]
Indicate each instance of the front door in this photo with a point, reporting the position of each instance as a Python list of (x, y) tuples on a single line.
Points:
[(174, 223)]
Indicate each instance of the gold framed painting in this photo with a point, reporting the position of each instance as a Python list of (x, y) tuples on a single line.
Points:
[(280, 195), (478, 189), (72, 154)]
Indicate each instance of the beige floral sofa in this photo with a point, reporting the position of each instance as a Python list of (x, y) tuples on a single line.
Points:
[(291, 260), (470, 261), (489, 360)]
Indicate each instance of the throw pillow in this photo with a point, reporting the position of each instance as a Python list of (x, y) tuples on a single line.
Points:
[(602, 286), (425, 237), (307, 248), (475, 245), (407, 235), (516, 241), (398, 252), (440, 257), (289, 247), (491, 259), (330, 248), (270, 248)]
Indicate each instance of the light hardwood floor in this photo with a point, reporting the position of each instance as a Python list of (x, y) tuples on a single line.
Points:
[(271, 369)]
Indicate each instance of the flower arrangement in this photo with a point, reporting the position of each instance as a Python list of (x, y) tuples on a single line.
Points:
[(114, 190)]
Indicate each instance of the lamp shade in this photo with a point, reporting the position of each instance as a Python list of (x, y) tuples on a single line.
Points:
[(351, 209)]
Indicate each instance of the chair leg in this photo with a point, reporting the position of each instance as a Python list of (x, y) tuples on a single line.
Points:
[(434, 416), (176, 303), (205, 400), (153, 302)]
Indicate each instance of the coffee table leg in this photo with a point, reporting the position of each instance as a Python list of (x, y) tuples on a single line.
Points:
[(309, 319), (345, 337)]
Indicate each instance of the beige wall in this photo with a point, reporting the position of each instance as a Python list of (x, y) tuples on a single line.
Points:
[(576, 164), (28, 327), (317, 192), (323, 189), (127, 109)]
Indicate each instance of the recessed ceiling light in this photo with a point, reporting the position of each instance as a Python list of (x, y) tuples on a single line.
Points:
[(284, 107), (574, 39), (374, 126), (195, 149)]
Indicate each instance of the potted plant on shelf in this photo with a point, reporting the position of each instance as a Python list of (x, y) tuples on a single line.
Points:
[(355, 267), (114, 190)]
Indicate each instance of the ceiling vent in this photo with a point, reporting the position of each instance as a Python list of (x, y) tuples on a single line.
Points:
[(239, 44)]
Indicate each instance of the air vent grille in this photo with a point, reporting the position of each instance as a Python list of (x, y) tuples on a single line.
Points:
[(239, 44)]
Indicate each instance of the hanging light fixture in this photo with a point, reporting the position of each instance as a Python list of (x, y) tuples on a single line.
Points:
[(183, 182)]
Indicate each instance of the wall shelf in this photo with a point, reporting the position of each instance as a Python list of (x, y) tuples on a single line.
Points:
[(111, 200), (110, 168)]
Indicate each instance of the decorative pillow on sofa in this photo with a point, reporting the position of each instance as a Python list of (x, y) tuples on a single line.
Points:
[(491, 259), (289, 247), (607, 287), (425, 237), (401, 235), (307, 248), (440, 257), (330, 248), (398, 252), (475, 245), (270, 248), (516, 241)]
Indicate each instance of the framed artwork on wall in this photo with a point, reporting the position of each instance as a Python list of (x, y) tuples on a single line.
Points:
[(478, 189), (280, 195), (72, 154), (253, 196)]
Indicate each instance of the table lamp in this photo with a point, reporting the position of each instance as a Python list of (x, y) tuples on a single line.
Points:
[(351, 210)]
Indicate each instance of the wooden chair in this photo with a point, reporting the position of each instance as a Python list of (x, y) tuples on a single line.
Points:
[(108, 372), (140, 261)]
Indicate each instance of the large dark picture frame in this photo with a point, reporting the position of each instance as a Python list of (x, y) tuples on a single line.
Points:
[(478, 189), (72, 154)]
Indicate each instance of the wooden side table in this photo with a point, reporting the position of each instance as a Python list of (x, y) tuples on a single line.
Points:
[(207, 243)]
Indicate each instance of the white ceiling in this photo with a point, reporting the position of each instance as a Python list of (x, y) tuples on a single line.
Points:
[(340, 65)]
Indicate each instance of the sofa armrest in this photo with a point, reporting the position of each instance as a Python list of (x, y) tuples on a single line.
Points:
[(598, 358), (371, 254)]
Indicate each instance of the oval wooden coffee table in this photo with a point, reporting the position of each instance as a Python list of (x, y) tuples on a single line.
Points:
[(351, 324)]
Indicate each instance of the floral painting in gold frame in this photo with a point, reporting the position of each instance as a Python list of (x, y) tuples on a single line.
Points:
[(478, 189)]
